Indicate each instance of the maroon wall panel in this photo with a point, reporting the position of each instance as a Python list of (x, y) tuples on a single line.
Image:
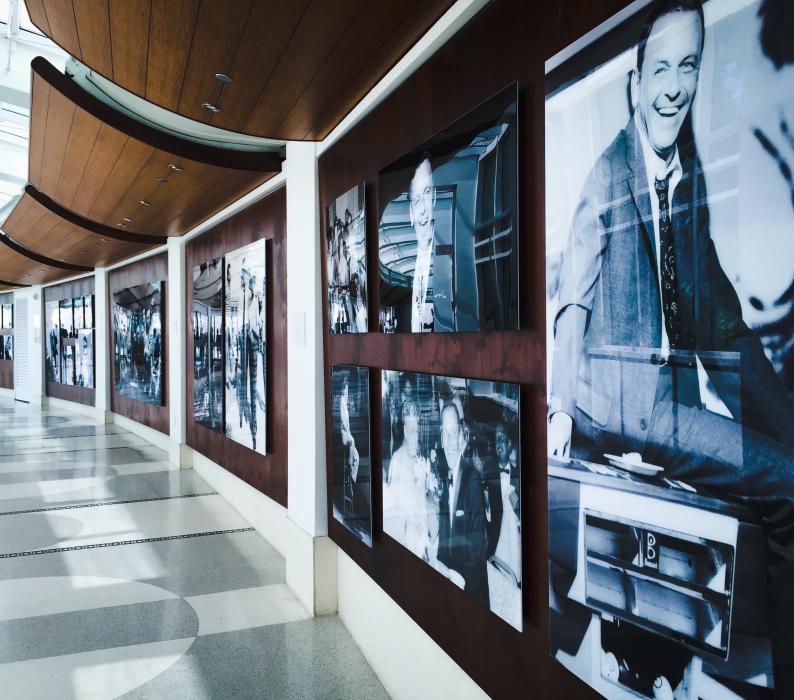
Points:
[(507, 42), (266, 219), (154, 269), (69, 290)]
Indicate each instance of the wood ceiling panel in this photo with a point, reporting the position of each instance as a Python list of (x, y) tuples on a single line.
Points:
[(39, 107), (255, 60), (172, 24), (297, 68), (215, 39), (38, 15), (93, 31), (63, 24), (99, 164), (20, 269), (60, 113), (129, 39), (317, 34), (42, 230)]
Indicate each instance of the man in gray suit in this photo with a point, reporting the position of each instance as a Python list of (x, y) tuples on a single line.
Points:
[(643, 298)]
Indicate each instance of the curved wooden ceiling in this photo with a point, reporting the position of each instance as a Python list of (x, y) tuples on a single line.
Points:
[(40, 226), (297, 67), (101, 164), (104, 187)]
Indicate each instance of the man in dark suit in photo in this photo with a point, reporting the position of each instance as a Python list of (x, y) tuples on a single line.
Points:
[(462, 541), (643, 298)]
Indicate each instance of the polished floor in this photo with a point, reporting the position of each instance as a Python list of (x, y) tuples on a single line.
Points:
[(121, 576)]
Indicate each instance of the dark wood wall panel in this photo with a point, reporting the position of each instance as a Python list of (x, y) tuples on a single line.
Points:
[(508, 41), (154, 269), (68, 290), (266, 219)]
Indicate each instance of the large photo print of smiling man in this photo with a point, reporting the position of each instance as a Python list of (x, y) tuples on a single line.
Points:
[(670, 326)]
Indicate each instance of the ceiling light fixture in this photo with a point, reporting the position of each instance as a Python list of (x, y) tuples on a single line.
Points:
[(176, 168), (144, 203), (126, 218), (122, 224), (223, 77), (163, 180), (211, 107)]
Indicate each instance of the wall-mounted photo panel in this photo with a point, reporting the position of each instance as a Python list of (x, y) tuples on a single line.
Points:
[(67, 318), (8, 347), (138, 342), (88, 310), (8, 315), (669, 280), (448, 227), (52, 341), (246, 351), (452, 481), (351, 458), (346, 263), (208, 344), (67, 365), (78, 306), (84, 358)]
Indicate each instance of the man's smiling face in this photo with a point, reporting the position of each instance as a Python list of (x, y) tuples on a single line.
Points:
[(664, 86)]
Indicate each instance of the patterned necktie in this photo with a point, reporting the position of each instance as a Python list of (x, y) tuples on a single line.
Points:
[(667, 264)]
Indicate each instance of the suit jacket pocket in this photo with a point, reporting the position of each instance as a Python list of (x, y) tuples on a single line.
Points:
[(592, 402)]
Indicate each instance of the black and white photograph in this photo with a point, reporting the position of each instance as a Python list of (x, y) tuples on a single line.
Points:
[(52, 354), (346, 264), (448, 227), (452, 481), (66, 318), (8, 316), (246, 351), (351, 467), (8, 347), (67, 365), (208, 344), (138, 342), (78, 312), (84, 358), (670, 309), (88, 310)]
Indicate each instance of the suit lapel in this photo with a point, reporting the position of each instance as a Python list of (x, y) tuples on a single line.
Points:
[(638, 184)]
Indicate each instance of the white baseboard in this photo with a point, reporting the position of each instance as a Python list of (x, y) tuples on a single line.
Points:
[(310, 561), (62, 404), (155, 437), (406, 660)]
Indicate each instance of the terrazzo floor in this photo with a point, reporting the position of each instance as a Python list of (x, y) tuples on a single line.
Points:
[(121, 576)]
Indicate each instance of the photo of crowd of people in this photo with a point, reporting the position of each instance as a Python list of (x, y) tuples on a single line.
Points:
[(138, 342), (208, 344), (670, 308), (448, 227), (452, 481), (69, 342), (246, 352), (351, 465), (346, 264)]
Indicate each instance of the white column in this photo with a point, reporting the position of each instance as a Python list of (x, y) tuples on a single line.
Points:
[(101, 343), (31, 388), (305, 395), (175, 347)]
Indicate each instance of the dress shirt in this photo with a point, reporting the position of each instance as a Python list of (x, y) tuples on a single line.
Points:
[(422, 270)]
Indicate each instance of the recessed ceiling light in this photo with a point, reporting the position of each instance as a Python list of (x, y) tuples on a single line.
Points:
[(223, 77), (211, 107), (104, 240), (163, 180), (82, 252), (176, 168), (122, 224), (144, 203), (126, 218)]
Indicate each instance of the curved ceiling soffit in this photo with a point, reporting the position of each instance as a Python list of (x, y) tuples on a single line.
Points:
[(258, 162), (17, 247), (110, 168), (283, 69), (92, 226), (5, 283)]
